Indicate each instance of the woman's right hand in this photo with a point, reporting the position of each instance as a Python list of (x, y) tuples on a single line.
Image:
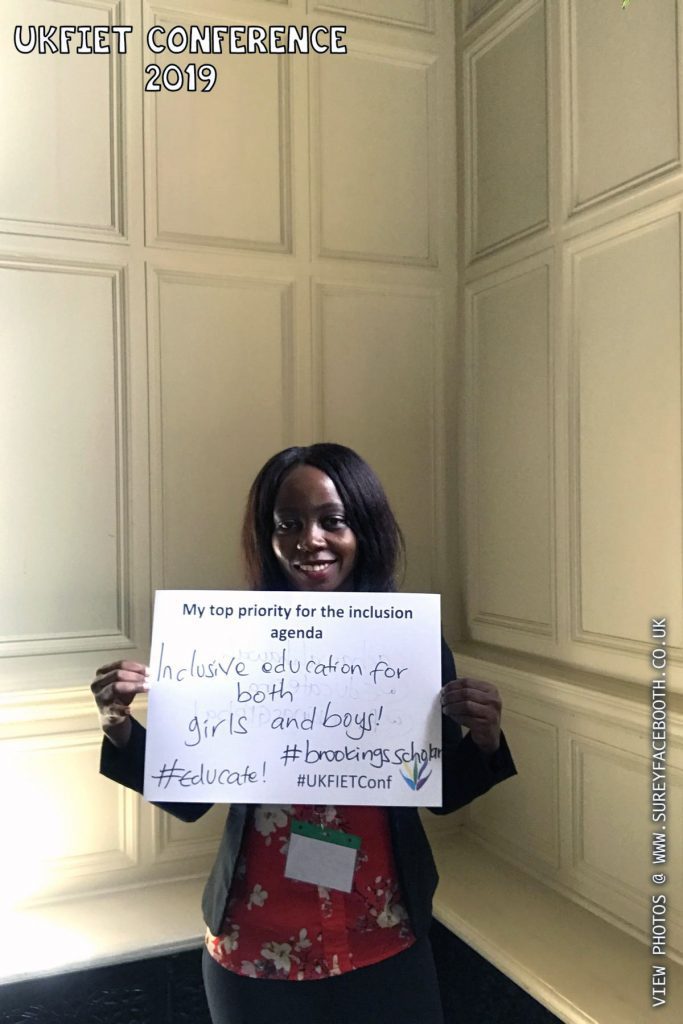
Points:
[(114, 688)]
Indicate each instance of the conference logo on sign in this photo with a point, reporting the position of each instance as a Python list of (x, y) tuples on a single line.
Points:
[(414, 774)]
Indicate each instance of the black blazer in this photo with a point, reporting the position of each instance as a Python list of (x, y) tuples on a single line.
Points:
[(467, 773)]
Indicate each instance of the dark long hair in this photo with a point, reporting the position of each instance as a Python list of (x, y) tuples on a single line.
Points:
[(379, 539)]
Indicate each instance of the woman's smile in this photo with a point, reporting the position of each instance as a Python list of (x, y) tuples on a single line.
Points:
[(317, 569)]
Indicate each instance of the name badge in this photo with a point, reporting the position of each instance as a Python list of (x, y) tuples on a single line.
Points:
[(321, 856)]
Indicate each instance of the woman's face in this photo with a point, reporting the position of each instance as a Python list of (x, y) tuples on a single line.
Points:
[(312, 541)]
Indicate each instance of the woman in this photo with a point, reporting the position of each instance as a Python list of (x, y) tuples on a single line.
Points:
[(317, 519)]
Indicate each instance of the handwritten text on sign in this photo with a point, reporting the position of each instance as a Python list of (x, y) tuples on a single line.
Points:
[(292, 697)]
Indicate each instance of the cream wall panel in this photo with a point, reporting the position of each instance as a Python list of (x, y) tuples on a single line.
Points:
[(405, 13), (376, 372), (510, 510), (506, 133), (611, 862), (218, 162), (475, 8), (577, 816), (179, 841), (624, 96), (626, 437), (201, 11), (610, 789), (524, 815), (225, 372), (373, 136), (610, 431), (56, 177), (81, 828), (64, 533)]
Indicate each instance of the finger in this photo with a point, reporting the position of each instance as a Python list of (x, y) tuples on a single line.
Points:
[(111, 699), (127, 666), (119, 683), (467, 695), (474, 700), (471, 710), (472, 705), (118, 692), (128, 675), (480, 686), (124, 675)]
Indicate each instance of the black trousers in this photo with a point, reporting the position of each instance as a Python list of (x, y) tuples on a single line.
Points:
[(400, 990)]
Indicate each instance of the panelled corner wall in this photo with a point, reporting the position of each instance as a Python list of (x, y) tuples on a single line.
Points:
[(190, 281), (569, 271)]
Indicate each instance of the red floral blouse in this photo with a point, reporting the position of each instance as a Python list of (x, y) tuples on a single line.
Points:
[(275, 927)]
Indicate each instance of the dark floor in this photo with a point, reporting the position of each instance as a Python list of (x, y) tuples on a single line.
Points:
[(168, 990), (474, 992)]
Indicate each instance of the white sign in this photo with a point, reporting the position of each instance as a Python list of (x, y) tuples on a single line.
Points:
[(290, 697)]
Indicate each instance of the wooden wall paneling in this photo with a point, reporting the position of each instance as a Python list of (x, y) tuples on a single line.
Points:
[(473, 10), (374, 156), (623, 98), (523, 815), (600, 772), (413, 14), (223, 373), (64, 325), (625, 436), (607, 219), (610, 791), (577, 816), (506, 131), (218, 163), (376, 353), (239, 11), (191, 845), (57, 179), (82, 832), (510, 458)]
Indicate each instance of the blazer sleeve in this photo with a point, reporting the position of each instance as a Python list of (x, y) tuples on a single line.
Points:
[(126, 765), (467, 771)]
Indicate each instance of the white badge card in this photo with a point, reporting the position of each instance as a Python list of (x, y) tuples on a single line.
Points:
[(321, 856)]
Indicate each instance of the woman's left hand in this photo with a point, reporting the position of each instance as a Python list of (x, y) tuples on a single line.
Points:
[(475, 704)]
